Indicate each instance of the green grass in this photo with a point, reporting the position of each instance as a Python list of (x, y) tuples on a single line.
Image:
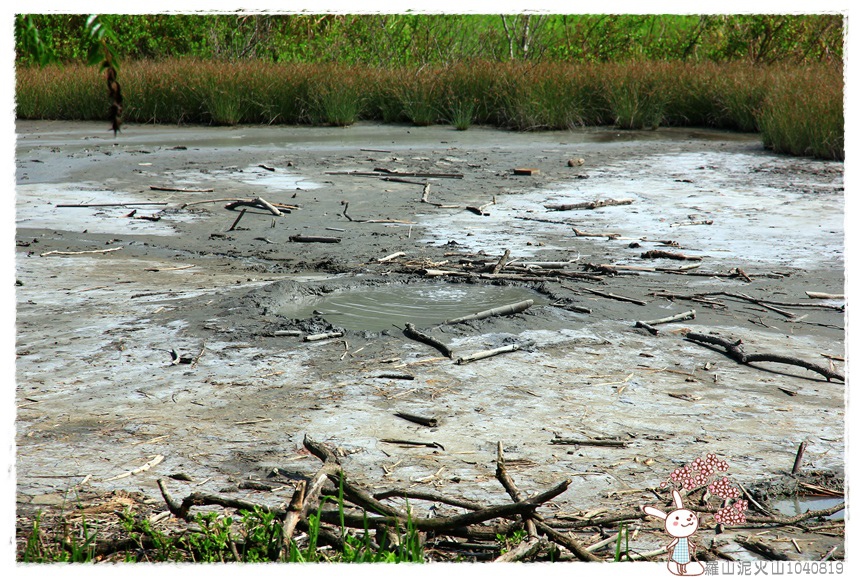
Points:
[(797, 109)]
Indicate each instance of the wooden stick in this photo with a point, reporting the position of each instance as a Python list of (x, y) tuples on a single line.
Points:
[(294, 510), (798, 459), (486, 354), (589, 205), (425, 496), (502, 262), (110, 204), (426, 421), (156, 460), (667, 254), (592, 442), (691, 314), (268, 206), (65, 253), (384, 171), (414, 334), (301, 238), (497, 311), (173, 189), (323, 336), (235, 222), (736, 352), (814, 295), (391, 257), (527, 548), (610, 235), (616, 297), (509, 485)]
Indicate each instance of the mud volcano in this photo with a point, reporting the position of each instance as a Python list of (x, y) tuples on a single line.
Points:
[(379, 307)]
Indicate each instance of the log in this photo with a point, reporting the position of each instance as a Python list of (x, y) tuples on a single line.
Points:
[(589, 205), (487, 354), (414, 334), (391, 257), (497, 311), (649, 325)]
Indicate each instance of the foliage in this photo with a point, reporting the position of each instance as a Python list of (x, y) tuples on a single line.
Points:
[(390, 40)]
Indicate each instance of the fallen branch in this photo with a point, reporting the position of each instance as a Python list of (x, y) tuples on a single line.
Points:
[(486, 354), (497, 311), (592, 442), (391, 257), (735, 351), (589, 205), (414, 334), (110, 204), (610, 235)]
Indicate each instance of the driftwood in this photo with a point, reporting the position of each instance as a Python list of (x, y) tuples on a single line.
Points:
[(564, 540), (592, 442), (345, 204), (391, 257), (815, 295), (414, 334), (735, 351), (426, 421), (173, 189), (323, 336), (616, 297), (589, 205), (649, 325), (235, 222), (486, 354), (261, 203), (497, 311), (502, 262), (413, 443), (380, 172), (609, 235), (110, 204), (667, 254), (72, 253)]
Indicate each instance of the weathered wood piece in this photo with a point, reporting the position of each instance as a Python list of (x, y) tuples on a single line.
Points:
[(487, 354), (411, 332), (616, 297), (591, 442), (72, 253), (175, 189), (649, 325), (589, 205), (816, 295), (426, 421), (669, 255), (323, 336)]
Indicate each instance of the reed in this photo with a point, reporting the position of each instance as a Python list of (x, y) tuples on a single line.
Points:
[(798, 109)]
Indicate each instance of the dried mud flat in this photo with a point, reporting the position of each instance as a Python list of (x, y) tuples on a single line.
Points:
[(99, 394)]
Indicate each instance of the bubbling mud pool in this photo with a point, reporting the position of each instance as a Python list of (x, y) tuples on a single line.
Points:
[(383, 307)]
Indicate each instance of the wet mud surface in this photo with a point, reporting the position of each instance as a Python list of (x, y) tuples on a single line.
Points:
[(99, 394)]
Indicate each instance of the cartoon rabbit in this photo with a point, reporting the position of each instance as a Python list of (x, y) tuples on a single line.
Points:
[(680, 524)]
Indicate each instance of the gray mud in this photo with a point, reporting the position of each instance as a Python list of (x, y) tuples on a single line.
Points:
[(97, 394)]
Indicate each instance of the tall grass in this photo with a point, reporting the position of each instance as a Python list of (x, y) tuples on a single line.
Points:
[(798, 109), (802, 114)]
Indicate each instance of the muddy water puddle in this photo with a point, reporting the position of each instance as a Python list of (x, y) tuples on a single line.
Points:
[(382, 307), (800, 505)]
